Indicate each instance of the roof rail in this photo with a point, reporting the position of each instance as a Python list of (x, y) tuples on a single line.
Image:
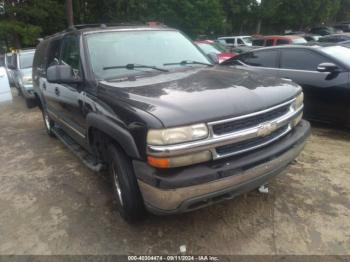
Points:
[(102, 25)]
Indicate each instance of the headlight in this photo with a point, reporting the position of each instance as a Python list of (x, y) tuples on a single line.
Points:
[(299, 100), (177, 135), (27, 79)]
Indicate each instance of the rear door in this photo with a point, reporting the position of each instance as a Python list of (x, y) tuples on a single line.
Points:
[(325, 97), (264, 61)]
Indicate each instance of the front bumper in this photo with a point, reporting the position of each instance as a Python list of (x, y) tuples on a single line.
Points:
[(190, 188)]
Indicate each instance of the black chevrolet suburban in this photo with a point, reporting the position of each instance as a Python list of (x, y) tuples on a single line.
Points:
[(176, 131)]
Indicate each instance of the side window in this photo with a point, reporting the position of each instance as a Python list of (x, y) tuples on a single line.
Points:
[(70, 53), (269, 42), (230, 41), (282, 42), (258, 42), (301, 60), (261, 59), (240, 42), (54, 52)]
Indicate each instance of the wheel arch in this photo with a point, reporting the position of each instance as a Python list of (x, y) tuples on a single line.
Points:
[(115, 132)]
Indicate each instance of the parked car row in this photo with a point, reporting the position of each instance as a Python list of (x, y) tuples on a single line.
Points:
[(19, 70), (322, 71), (177, 130)]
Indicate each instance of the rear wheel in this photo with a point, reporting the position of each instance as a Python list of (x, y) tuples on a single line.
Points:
[(48, 122), (126, 191)]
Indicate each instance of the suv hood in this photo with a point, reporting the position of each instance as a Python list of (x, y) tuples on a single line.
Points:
[(203, 94)]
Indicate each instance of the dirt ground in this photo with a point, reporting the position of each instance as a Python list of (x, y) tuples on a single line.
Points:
[(50, 203)]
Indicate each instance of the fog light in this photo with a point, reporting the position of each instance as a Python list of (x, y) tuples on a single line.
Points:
[(179, 161)]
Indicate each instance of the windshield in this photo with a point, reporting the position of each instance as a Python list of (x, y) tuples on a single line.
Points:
[(340, 53), (248, 39), (151, 48), (26, 60)]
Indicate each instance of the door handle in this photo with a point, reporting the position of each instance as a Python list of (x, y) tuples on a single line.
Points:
[(57, 91)]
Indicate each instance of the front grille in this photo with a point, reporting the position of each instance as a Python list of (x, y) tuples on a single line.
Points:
[(248, 144), (237, 125)]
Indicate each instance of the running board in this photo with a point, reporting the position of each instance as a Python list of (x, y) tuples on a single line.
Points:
[(89, 160)]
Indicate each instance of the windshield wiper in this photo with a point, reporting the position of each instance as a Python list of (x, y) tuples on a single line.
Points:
[(135, 66), (188, 62)]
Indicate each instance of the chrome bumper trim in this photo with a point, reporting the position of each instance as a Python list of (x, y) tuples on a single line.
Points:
[(214, 141), (171, 200)]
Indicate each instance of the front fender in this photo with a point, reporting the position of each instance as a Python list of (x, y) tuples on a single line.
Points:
[(115, 131)]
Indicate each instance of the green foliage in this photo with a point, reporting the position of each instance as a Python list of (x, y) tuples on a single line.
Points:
[(26, 20)]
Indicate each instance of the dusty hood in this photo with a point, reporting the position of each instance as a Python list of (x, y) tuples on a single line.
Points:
[(202, 95)]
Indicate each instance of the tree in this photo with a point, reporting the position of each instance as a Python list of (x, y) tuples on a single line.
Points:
[(25, 20)]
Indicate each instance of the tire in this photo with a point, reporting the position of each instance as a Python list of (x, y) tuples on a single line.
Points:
[(126, 191), (30, 103), (48, 123)]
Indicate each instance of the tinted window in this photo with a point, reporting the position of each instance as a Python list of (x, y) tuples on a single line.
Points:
[(269, 42), (240, 42), (258, 42), (230, 41), (40, 58), (54, 52), (301, 60), (70, 52), (263, 59), (282, 42)]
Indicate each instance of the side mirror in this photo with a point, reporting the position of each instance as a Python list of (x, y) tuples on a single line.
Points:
[(62, 74), (328, 68), (213, 57)]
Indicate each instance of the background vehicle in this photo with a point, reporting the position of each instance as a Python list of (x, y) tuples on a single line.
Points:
[(145, 111), (323, 72), (211, 47), (345, 27), (234, 41), (336, 38), (278, 40), (21, 67), (324, 30), (243, 49), (311, 37), (10, 76)]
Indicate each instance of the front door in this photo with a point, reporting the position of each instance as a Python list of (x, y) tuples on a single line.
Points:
[(71, 95), (326, 96)]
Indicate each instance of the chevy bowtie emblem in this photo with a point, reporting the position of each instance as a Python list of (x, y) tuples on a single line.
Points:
[(266, 129)]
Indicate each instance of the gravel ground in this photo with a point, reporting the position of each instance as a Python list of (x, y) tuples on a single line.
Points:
[(52, 204)]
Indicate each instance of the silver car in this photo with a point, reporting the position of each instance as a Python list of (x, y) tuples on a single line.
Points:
[(21, 72)]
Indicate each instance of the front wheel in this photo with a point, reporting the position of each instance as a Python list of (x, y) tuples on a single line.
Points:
[(48, 122), (126, 191)]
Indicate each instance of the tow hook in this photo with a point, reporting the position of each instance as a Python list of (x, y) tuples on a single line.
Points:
[(264, 189)]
